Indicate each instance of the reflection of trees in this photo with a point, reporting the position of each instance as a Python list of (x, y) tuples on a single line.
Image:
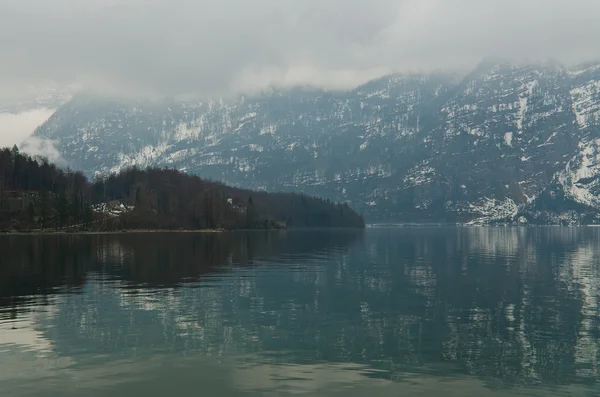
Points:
[(172, 258), (38, 265), (34, 267), (119, 315), (520, 305)]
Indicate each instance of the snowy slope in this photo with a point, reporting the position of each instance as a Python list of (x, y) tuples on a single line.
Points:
[(404, 148)]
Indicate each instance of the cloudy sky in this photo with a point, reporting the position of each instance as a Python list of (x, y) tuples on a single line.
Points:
[(218, 47), (213, 47)]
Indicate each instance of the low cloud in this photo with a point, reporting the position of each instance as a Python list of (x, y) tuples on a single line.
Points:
[(215, 47), (17, 129), (35, 146)]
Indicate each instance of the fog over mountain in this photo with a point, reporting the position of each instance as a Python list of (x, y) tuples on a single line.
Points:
[(218, 47), (13, 127)]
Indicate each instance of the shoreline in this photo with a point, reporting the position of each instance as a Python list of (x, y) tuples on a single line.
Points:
[(93, 232)]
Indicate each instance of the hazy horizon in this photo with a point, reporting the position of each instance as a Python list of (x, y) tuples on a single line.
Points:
[(219, 47)]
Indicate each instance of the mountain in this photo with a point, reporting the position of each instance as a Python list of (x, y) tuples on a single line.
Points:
[(489, 147)]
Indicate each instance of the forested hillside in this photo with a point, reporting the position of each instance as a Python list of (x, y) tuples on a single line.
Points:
[(38, 195)]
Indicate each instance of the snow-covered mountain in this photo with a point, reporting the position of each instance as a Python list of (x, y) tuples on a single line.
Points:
[(489, 147)]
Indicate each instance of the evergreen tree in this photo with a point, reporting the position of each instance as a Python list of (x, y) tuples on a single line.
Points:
[(31, 212), (75, 208), (250, 214), (44, 206), (88, 215), (62, 205)]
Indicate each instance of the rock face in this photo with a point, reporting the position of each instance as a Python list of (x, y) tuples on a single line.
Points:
[(505, 143)]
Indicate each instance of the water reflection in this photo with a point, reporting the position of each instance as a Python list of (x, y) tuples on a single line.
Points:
[(469, 311)]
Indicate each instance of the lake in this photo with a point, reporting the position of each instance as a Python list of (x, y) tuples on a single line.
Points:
[(413, 311)]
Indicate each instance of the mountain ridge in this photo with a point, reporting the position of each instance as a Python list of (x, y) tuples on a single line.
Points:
[(401, 148)]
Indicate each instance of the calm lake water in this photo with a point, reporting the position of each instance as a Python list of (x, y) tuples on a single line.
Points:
[(380, 312)]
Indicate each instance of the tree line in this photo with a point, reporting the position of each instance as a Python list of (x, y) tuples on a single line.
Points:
[(38, 195)]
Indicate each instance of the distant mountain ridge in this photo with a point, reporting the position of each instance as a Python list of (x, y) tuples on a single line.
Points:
[(489, 148)]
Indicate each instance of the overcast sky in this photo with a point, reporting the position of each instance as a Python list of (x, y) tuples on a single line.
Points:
[(214, 47)]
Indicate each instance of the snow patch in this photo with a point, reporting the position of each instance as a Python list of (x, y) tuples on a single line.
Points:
[(419, 176), (586, 103), (524, 102), (248, 117), (583, 166), (476, 132), (268, 130), (491, 209), (113, 209), (145, 157), (548, 140)]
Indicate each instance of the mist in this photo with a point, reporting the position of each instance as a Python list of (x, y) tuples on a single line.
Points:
[(219, 47), (17, 129)]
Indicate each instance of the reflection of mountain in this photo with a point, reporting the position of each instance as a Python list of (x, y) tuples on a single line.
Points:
[(516, 305)]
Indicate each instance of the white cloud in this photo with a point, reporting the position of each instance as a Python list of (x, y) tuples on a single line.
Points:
[(35, 146), (218, 46), (16, 127)]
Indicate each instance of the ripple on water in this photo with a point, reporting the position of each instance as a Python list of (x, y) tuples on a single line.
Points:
[(403, 311)]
